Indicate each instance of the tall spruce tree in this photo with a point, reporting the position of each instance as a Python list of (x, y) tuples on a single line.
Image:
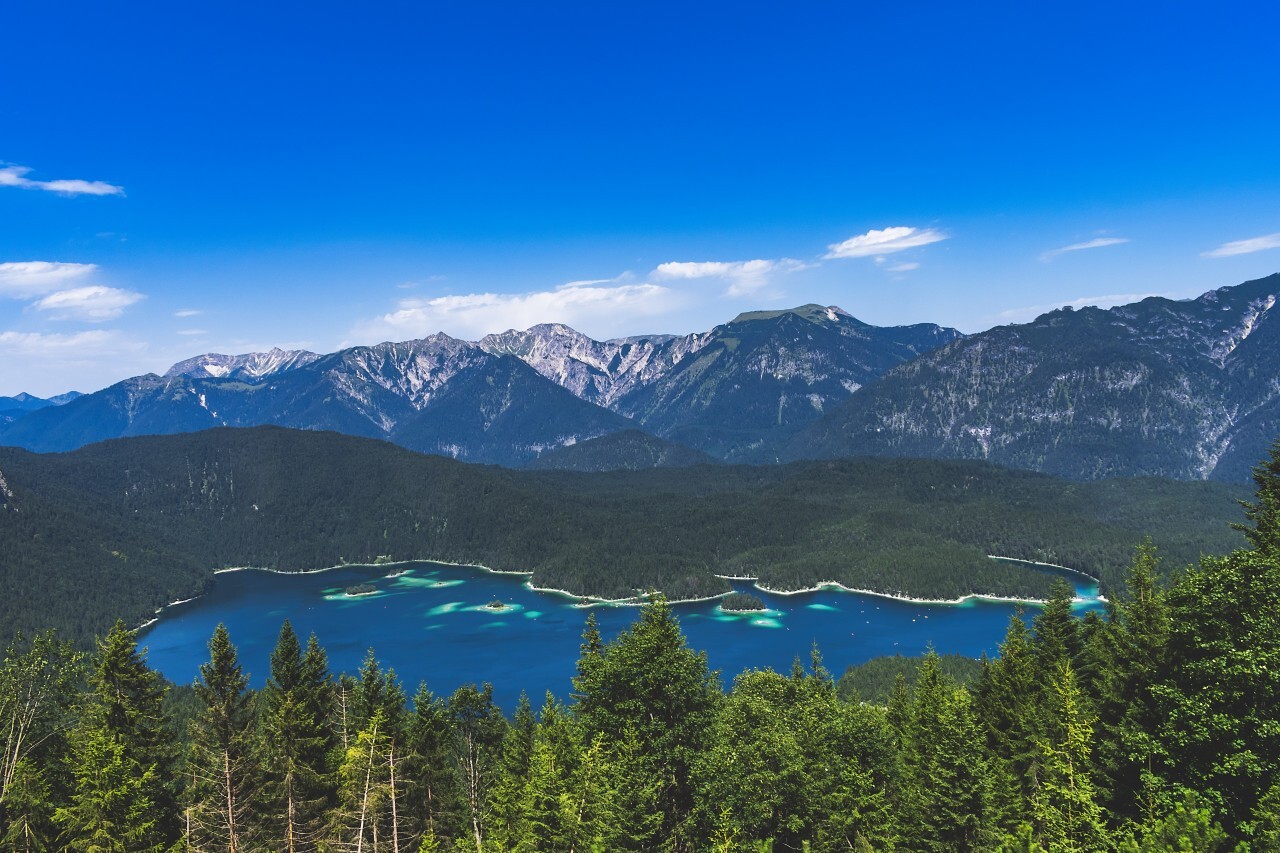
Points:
[(507, 793), (28, 825), (1065, 811), (1219, 721), (946, 796), (478, 728), (1057, 632), (221, 761), (432, 772), (1007, 707), (1264, 510), (1128, 717), (120, 756), (371, 814), (296, 740), (648, 685)]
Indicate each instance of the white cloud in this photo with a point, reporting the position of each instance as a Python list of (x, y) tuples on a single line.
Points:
[(93, 304), (47, 364), (906, 266), (16, 176), (188, 312), (744, 277), (1017, 315), (1096, 243), (1244, 247), (191, 333), (88, 344), (884, 241), (583, 305), (24, 279)]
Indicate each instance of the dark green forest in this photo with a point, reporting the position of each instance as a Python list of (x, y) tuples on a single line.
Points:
[(118, 529), (1154, 728)]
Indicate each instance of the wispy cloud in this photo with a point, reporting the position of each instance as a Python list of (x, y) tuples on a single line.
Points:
[(1096, 243), (1017, 315), (744, 277), (1244, 247), (92, 304), (579, 304), (188, 312), (47, 364), (78, 343), (192, 333), (906, 266), (12, 175), (884, 241), (25, 279)]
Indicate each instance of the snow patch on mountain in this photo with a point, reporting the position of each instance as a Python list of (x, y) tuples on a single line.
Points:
[(1248, 321), (253, 365)]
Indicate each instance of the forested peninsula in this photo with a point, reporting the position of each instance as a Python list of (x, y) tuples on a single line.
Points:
[(121, 528), (1154, 728)]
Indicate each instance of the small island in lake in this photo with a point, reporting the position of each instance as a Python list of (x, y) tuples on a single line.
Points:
[(741, 602), (496, 604), (361, 589)]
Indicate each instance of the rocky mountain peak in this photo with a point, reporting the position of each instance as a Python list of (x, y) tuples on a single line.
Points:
[(251, 365)]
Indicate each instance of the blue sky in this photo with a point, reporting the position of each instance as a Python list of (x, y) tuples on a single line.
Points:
[(179, 178)]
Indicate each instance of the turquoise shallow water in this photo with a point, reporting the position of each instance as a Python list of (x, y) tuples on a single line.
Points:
[(432, 624)]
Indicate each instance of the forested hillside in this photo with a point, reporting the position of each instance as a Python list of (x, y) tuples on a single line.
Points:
[(1155, 729), (120, 528)]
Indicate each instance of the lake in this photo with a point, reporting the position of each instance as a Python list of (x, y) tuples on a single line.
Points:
[(432, 623)]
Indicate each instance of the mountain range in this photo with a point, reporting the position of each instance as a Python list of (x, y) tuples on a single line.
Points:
[(12, 408), (509, 398), (1187, 389)]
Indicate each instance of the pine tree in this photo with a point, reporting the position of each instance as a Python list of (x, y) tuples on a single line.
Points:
[(1264, 510), (1057, 632), (1127, 712), (221, 761), (1219, 721), (947, 800), (1187, 828), (28, 811), (512, 776), (432, 773), (1009, 712), (478, 728), (119, 756), (295, 744), (1065, 811), (115, 807), (589, 806), (649, 683), (372, 790), (552, 761)]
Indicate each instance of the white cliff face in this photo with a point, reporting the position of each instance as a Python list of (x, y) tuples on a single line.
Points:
[(601, 372), (254, 365), (412, 371)]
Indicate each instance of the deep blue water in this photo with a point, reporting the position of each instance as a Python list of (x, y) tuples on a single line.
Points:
[(432, 624)]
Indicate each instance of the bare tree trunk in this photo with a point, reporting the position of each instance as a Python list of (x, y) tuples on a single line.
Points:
[(231, 804), (395, 819), (368, 779), (291, 815), (473, 789)]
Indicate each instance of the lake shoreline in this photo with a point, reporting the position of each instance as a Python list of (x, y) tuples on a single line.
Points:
[(586, 600)]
